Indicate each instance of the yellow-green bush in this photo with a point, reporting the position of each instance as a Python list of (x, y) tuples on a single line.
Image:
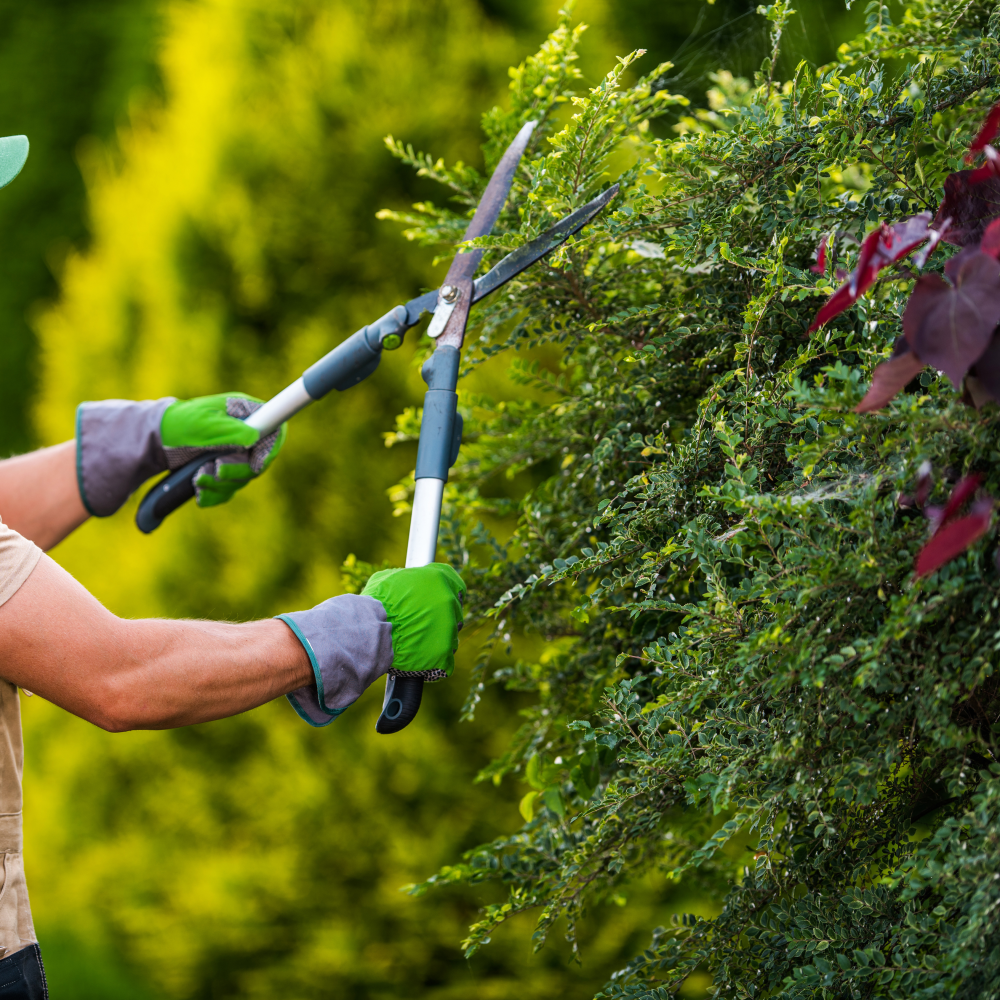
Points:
[(234, 241)]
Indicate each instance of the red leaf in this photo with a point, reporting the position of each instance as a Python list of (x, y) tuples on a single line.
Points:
[(991, 239), (950, 326), (890, 377), (953, 266), (954, 538), (971, 201), (989, 169), (986, 372), (904, 237), (820, 266), (964, 490), (936, 236), (882, 247), (867, 267), (925, 479), (987, 132), (840, 300)]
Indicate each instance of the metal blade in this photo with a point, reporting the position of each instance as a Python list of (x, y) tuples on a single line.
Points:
[(464, 265), (523, 257), (520, 259), (495, 195)]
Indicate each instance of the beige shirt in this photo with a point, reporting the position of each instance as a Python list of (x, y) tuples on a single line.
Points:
[(18, 557)]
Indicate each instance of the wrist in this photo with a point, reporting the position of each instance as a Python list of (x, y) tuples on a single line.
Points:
[(118, 448), (284, 653), (348, 641)]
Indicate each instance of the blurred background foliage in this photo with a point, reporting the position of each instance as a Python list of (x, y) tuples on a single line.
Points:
[(198, 213)]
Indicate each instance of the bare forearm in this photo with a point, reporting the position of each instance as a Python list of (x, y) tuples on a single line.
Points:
[(39, 496), (178, 673), (59, 641)]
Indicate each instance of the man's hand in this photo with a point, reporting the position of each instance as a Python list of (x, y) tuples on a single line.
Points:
[(213, 423), (121, 443), (424, 605), (405, 622)]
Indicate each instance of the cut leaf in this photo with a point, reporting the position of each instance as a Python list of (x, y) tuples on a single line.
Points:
[(950, 326), (954, 538), (925, 480), (882, 247), (891, 377), (987, 133)]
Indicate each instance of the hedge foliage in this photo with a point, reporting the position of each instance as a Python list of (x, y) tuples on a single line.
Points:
[(741, 669)]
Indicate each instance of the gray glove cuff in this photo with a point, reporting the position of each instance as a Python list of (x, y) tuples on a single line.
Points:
[(349, 642), (117, 449)]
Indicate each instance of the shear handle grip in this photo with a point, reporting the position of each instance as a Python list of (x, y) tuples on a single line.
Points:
[(402, 700), (167, 495)]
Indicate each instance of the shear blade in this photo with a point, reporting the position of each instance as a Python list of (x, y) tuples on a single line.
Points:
[(522, 258)]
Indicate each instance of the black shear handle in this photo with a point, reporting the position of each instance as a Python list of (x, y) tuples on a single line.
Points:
[(167, 495), (402, 699)]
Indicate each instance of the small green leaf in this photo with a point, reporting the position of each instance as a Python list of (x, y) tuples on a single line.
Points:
[(532, 773), (527, 806), (554, 801)]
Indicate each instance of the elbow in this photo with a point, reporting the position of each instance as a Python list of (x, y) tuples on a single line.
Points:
[(115, 707), (111, 723), (110, 718)]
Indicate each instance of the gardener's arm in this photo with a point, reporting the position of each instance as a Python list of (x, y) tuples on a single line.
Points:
[(120, 443), (59, 641), (39, 496)]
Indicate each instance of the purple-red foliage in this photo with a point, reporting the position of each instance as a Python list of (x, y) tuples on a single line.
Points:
[(950, 535), (971, 201), (890, 377), (820, 266), (950, 321), (883, 247), (955, 537), (986, 135)]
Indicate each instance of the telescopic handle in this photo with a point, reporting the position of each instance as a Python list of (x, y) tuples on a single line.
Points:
[(440, 439), (345, 366)]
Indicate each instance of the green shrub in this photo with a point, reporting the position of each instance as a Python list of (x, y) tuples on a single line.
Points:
[(741, 671)]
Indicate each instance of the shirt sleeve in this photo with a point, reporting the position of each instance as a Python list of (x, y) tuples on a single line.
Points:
[(18, 557)]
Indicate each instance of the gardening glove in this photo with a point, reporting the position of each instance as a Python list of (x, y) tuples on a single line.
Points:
[(121, 443), (405, 622)]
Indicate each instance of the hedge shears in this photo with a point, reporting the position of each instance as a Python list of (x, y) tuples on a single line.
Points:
[(441, 426)]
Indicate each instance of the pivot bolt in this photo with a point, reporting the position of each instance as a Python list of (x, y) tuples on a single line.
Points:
[(391, 342), (449, 293)]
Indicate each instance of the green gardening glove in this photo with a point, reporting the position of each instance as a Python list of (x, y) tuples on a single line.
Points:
[(424, 606), (120, 443), (215, 424)]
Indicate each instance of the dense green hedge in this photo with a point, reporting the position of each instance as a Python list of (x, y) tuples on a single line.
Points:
[(743, 681)]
